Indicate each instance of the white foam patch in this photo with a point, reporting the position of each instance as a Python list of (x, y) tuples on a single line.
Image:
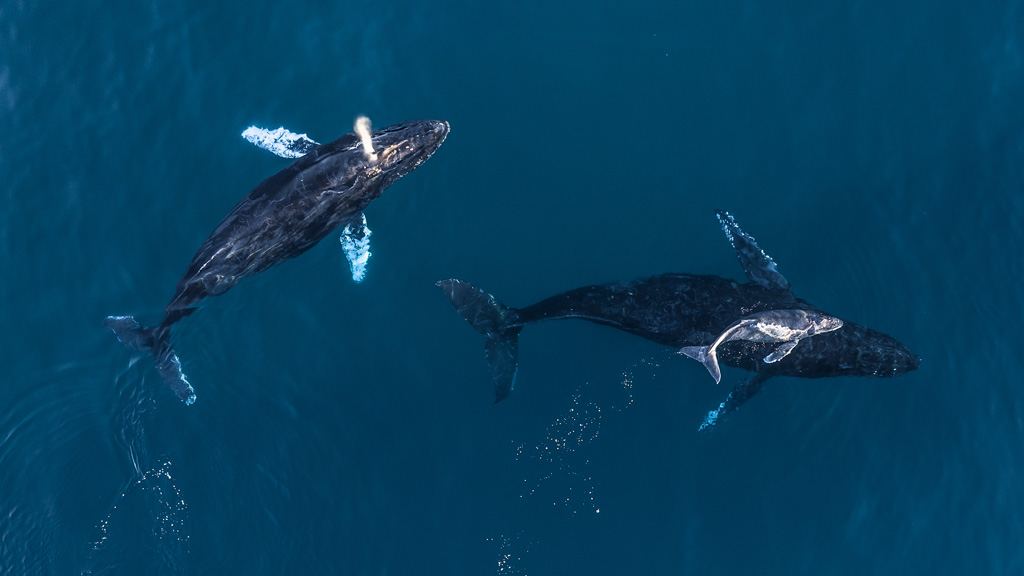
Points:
[(281, 141), (712, 418), (362, 129), (355, 241)]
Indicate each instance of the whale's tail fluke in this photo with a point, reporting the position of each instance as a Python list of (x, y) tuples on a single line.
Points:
[(707, 356), (157, 341), (497, 323)]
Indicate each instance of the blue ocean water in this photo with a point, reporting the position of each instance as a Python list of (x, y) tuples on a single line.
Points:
[(876, 151)]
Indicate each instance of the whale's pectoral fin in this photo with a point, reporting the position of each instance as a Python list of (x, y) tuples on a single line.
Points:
[(781, 352), (281, 142), (758, 265), (740, 394), (355, 241)]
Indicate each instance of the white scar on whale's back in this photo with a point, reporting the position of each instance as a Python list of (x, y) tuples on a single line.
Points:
[(362, 128)]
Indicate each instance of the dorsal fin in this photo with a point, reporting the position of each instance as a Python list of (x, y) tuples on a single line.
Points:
[(758, 265)]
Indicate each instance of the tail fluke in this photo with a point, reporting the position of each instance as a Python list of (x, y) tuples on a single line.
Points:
[(491, 318), (130, 332), (169, 367), (502, 352), (706, 356), (157, 341)]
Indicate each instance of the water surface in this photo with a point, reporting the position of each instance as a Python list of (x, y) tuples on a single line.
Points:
[(876, 151)]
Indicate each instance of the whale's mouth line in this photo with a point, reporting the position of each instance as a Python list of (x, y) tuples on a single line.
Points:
[(420, 147)]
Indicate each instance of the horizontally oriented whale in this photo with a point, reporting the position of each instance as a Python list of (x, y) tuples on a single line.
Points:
[(326, 188), (785, 326), (686, 310)]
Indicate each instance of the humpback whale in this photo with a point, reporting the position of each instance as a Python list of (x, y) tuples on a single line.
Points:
[(786, 326), (688, 310), (325, 188)]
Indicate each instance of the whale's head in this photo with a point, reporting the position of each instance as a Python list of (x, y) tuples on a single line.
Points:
[(401, 148), (821, 323), (881, 355), (848, 349), (361, 164), (339, 179), (853, 350)]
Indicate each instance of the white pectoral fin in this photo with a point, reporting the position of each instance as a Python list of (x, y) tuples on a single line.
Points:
[(355, 241), (781, 352), (281, 142)]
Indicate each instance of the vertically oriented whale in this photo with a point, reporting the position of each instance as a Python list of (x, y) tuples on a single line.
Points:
[(326, 188)]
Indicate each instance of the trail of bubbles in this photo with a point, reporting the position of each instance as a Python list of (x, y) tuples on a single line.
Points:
[(508, 557), (557, 474), (150, 505), (147, 526)]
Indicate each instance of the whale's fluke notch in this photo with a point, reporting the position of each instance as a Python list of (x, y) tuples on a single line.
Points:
[(496, 322), (156, 341), (756, 263)]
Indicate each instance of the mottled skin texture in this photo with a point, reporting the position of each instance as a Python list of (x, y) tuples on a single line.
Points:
[(681, 310), (294, 209), (690, 310), (284, 216)]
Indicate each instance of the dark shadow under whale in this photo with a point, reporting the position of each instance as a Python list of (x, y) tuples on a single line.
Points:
[(288, 213), (682, 310)]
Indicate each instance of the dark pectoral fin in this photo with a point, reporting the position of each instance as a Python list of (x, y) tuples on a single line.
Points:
[(740, 394), (759, 266)]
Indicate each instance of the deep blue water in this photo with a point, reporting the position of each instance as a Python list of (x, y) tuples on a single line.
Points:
[(876, 150)]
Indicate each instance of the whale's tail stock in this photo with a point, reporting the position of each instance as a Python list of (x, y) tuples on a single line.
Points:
[(158, 342), (496, 322)]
